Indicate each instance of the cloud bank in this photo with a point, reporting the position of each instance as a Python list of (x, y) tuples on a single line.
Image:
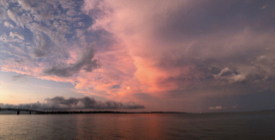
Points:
[(60, 103)]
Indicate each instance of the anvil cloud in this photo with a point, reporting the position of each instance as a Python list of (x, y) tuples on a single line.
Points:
[(179, 55)]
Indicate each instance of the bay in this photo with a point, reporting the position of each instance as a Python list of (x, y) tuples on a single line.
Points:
[(208, 126)]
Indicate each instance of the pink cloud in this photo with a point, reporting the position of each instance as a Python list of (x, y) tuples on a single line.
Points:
[(133, 23)]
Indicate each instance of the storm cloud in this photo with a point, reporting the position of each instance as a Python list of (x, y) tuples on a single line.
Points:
[(196, 41)]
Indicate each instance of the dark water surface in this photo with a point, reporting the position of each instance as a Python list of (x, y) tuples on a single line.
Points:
[(139, 126)]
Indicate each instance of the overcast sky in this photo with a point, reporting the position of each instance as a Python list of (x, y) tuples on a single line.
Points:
[(179, 55)]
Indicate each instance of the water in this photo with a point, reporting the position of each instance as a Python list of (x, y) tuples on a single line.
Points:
[(139, 126)]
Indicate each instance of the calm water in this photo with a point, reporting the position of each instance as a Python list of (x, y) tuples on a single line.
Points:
[(139, 126)]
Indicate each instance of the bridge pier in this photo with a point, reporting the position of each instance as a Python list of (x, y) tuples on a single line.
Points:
[(17, 110)]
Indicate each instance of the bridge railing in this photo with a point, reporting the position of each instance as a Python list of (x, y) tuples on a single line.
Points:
[(21, 109)]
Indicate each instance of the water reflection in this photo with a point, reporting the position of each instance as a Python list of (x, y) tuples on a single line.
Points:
[(118, 126)]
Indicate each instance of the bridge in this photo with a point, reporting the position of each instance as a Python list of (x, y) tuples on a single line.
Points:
[(20, 109)]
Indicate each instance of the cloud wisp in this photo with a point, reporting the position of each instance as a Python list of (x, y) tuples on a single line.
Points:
[(60, 103)]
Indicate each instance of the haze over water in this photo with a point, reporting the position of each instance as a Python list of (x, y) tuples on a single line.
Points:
[(139, 126)]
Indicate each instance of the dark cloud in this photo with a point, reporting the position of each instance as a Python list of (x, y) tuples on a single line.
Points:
[(115, 87), (17, 77), (202, 17), (86, 63), (60, 103), (42, 43), (39, 53), (222, 44)]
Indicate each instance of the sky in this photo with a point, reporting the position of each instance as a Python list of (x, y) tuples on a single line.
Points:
[(148, 55)]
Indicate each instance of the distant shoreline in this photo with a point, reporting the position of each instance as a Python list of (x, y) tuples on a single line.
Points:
[(125, 112), (95, 112)]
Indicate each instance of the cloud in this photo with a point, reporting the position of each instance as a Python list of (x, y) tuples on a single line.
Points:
[(15, 34), (186, 44), (13, 16), (215, 108), (60, 103), (3, 2), (86, 63), (53, 40), (17, 77), (185, 49), (42, 46), (3, 14), (229, 75), (8, 24), (26, 5)]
